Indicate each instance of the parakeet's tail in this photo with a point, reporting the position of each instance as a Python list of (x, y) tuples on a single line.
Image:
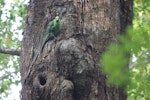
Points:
[(42, 46), (45, 40)]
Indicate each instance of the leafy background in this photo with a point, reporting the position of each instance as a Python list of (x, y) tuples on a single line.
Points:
[(133, 47), (12, 16)]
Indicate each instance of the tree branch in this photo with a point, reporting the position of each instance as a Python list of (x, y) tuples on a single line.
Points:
[(6, 75), (10, 51)]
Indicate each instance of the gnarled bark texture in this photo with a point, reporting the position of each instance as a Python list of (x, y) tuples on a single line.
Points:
[(69, 67)]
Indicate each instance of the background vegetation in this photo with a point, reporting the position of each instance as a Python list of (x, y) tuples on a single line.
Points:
[(12, 22), (133, 47)]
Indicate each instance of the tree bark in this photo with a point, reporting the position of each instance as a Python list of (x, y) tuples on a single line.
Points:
[(69, 67)]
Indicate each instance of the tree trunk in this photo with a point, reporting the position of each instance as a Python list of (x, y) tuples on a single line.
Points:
[(69, 67)]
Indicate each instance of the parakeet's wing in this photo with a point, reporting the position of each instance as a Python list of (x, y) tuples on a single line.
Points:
[(51, 26), (48, 36), (58, 24)]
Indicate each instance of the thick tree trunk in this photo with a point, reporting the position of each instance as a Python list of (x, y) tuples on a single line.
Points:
[(69, 67)]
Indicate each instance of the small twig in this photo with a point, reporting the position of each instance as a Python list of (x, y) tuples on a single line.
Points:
[(6, 75), (10, 51)]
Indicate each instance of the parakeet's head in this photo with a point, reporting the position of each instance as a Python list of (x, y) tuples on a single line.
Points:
[(57, 18)]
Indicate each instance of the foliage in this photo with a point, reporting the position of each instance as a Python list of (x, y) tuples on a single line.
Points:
[(133, 47), (12, 16)]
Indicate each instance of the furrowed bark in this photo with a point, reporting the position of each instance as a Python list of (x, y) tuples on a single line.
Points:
[(69, 67)]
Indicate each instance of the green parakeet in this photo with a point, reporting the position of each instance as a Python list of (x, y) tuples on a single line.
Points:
[(52, 30)]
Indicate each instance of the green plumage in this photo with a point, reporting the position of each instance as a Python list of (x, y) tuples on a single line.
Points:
[(52, 30)]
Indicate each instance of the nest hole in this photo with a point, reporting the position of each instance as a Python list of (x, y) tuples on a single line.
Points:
[(42, 80)]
